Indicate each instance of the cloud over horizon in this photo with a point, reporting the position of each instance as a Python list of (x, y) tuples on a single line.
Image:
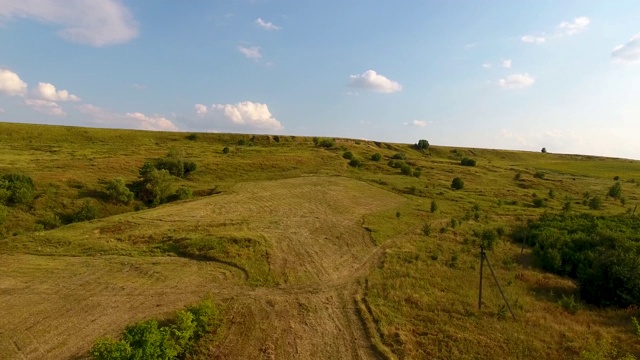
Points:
[(97, 22), (246, 114), (373, 81), (47, 91)]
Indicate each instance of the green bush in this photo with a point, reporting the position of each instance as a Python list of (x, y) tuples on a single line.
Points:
[(399, 156), (155, 187), (396, 164), (615, 191), (87, 212), (417, 173), (434, 206), (50, 222), (595, 203), (457, 184), (569, 304), (324, 142), (376, 157), (150, 340), (538, 202), (17, 189), (347, 155), (405, 169), (517, 176), (225, 150), (426, 229), (192, 137), (467, 162), (539, 175), (355, 163), (119, 192), (184, 193)]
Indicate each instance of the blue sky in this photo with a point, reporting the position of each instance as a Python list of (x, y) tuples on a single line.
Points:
[(494, 74)]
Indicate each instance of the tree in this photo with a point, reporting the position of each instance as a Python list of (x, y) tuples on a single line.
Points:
[(422, 145), (118, 191), (17, 189), (159, 185), (615, 191), (457, 184), (544, 150)]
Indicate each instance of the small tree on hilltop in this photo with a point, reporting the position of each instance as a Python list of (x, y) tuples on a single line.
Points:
[(422, 145), (544, 150)]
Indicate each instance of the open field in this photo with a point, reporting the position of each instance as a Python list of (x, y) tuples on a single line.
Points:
[(309, 257)]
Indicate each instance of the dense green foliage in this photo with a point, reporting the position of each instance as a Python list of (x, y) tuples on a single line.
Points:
[(601, 253), (16, 189), (88, 211), (324, 142), (376, 157), (119, 192), (355, 163), (347, 155), (422, 144), (149, 340)]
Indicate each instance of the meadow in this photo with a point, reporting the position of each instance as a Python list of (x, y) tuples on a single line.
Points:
[(310, 252)]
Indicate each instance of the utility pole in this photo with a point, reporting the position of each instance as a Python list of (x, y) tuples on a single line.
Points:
[(483, 256)]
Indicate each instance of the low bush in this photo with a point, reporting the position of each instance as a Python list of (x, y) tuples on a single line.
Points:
[(399, 156), (347, 155), (225, 150), (88, 211), (16, 189), (539, 175), (467, 162), (355, 163), (376, 157), (324, 142), (457, 184), (4, 213), (405, 169), (184, 193)]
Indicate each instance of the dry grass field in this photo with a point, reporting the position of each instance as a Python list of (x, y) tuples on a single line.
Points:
[(308, 257)]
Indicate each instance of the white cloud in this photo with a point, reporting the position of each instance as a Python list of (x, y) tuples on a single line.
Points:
[(45, 107), (373, 81), (96, 22), (486, 65), (576, 26), (267, 25), (506, 64), (517, 81), (628, 53), (11, 84), (250, 52), (47, 91), (154, 122), (134, 120), (532, 39), (201, 109), (246, 113), (419, 123)]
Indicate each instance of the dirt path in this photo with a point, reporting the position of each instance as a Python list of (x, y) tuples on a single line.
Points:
[(55, 307)]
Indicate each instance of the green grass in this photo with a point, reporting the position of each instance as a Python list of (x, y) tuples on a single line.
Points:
[(419, 301)]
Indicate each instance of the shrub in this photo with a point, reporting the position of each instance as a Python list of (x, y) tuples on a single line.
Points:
[(488, 238), (106, 349), (539, 175), (87, 212), (405, 169), (324, 142), (118, 191), (538, 202), (615, 191), (376, 157), (595, 203), (399, 156), (17, 189), (158, 186), (569, 304), (355, 163), (426, 229), (552, 194), (544, 150), (347, 155), (434, 206), (225, 150), (457, 184), (417, 173), (184, 193), (517, 177), (395, 164), (50, 222), (566, 207), (192, 137), (467, 162)]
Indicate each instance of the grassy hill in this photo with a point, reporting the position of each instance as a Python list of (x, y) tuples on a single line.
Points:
[(308, 256)]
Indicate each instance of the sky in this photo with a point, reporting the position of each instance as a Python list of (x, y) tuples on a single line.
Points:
[(522, 75)]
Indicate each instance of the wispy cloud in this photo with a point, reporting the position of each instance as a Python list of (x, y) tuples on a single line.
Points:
[(96, 22), (250, 52), (371, 80), (45, 107), (533, 39), (573, 27), (486, 65), (517, 81), (506, 64), (266, 25), (627, 53)]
